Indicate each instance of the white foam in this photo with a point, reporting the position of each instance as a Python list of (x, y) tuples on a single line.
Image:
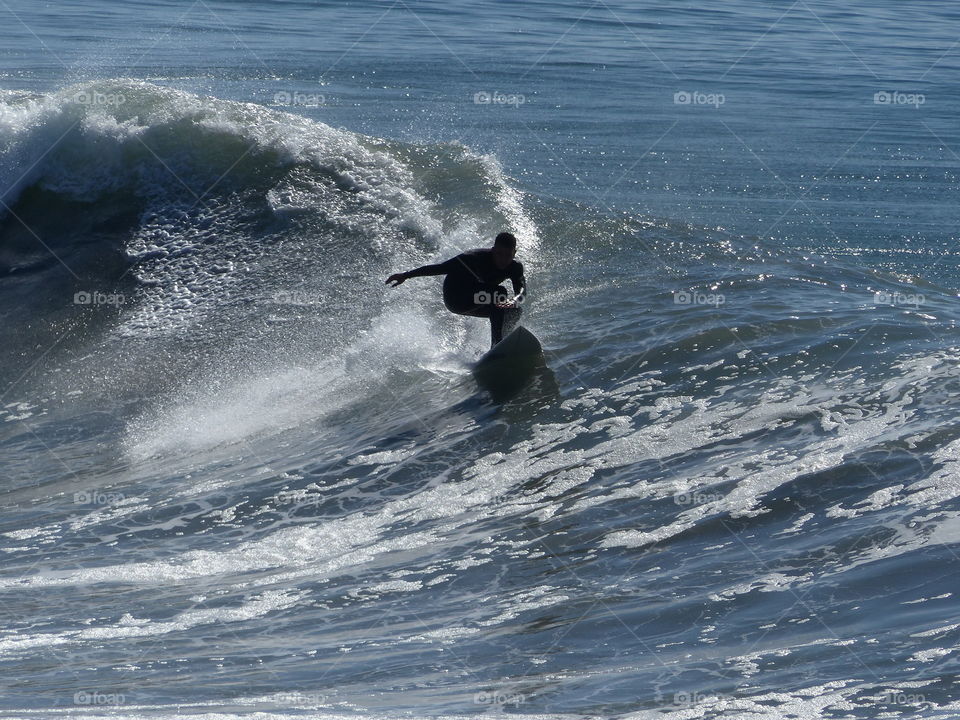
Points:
[(128, 626)]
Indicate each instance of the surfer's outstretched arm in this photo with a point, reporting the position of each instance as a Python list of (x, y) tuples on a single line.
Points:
[(422, 271)]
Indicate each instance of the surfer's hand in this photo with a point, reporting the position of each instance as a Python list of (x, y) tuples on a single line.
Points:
[(396, 279), (507, 304)]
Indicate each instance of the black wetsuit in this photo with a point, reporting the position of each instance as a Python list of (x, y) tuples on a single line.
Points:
[(472, 287)]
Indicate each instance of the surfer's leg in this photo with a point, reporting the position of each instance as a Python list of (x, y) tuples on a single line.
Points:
[(468, 301), (482, 303), (496, 326), (511, 317), (497, 315), (502, 322)]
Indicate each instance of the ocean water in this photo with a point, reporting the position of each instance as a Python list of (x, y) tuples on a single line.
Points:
[(243, 478)]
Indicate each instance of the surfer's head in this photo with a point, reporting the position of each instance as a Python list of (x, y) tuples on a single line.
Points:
[(504, 248)]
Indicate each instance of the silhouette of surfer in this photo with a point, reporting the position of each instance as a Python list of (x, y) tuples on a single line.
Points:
[(471, 285)]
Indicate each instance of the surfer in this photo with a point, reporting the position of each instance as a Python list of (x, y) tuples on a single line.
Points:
[(471, 285)]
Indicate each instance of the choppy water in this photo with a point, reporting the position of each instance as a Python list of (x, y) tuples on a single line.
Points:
[(241, 475)]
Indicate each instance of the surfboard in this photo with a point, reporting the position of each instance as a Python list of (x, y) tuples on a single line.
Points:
[(506, 367), (519, 343)]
